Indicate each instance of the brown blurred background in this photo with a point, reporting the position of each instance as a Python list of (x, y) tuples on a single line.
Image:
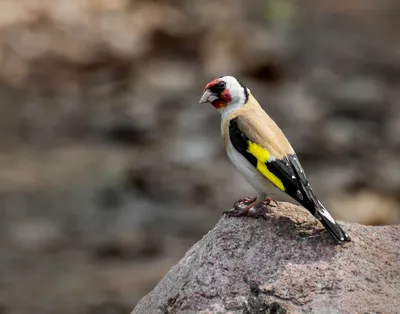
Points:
[(109, 167)]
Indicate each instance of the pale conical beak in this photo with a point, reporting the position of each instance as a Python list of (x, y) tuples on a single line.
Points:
[(208, 96)]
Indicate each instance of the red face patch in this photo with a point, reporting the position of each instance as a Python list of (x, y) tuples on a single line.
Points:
[(226, 95), (218, 88)]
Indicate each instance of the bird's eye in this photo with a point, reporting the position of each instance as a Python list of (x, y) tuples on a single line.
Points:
[(222, 85)]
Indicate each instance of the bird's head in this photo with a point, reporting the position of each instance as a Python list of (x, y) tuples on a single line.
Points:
[(225, 93)]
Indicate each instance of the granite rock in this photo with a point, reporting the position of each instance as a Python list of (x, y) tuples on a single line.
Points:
[(284, 264)]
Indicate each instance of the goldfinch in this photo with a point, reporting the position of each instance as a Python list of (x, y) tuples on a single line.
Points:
[(260, 150)]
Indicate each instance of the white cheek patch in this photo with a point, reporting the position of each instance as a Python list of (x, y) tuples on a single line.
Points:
[(235, 89), (237, 93)]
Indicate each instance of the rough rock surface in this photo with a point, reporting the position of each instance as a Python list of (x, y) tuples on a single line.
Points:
[(285, 264)]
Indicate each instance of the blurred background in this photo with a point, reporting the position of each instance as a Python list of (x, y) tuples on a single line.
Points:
[(110, 169)]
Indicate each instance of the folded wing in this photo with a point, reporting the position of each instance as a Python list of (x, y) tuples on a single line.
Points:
[(270, 159), (277, 162)]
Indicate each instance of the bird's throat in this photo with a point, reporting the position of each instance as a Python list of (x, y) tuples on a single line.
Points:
[(218, 103)]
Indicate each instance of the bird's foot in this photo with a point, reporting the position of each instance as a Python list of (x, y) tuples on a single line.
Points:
[(239, 210), (245, 201), (259, 211), (248, 206), (269, 201)]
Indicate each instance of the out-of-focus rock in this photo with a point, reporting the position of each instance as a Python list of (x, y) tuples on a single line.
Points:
[(285, 264), (365, 207), (39, 235)]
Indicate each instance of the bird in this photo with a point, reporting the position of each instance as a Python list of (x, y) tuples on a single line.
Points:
[(261, 152)]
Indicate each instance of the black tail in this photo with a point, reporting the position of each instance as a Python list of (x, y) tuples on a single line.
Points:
[(330, 224), (298, 187)]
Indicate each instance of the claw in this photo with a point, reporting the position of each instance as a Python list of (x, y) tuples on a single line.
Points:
[(234, 212), (238, 211), (268, 202), (258, 211)]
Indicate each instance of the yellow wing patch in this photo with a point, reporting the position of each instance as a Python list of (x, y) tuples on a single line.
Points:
[(263, 156), (259, 152)]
